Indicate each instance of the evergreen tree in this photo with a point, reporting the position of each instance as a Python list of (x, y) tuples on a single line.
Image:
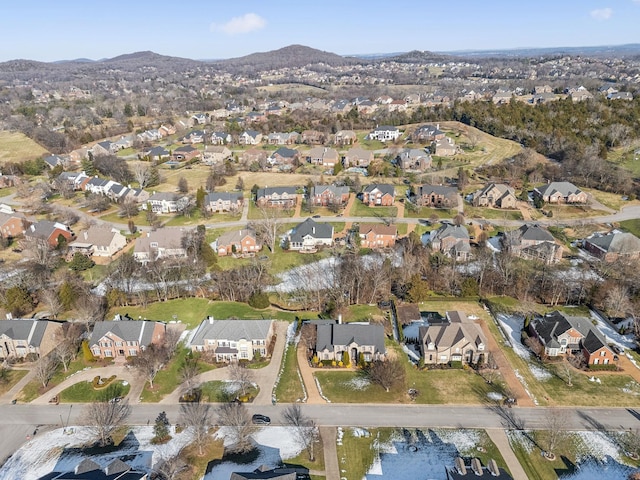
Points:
[(161, 427)]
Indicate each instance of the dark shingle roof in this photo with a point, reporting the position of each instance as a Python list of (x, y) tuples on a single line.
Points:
[(140, 331), (312, 228), (620, 242), (534, 232), (29, 330), (384, 188), (344, 334), (267, 192), (211, 329)]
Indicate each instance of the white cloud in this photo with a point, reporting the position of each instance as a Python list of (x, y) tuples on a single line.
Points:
[(602, 13), (249, 22)]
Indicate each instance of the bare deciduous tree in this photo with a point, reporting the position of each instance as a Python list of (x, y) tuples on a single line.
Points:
[(170, 466), (189, 373), (197, 417), (386, 373), (142, 173), (45, 368), (103, 418), (566, 372), (305, 429), (149, 362), (241, 376), (268, 226), (555, 424), (235, 417), (617, 302), (51, 299)]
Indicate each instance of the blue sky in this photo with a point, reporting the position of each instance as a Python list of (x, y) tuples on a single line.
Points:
[(48, 30)]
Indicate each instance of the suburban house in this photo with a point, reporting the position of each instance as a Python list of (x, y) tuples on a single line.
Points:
[(384, 134), (215, 154), (253, 156), (325, 195), (280, 197), (358, 157), (284, 156), (534, 243), (53, 161), (457, 340), (75, 180), (613, 246), (309, 235), (357, 339), (279, 138), (560, 192), (561, 334), (413, 160), (12, 224), (327, 157), (220, 138), (495, 195), (165, 202), (313, 137), (87, 469), (223, 202), (377, 235), (436, 196), (345, 137), (24, 336), (100, 241), (195, 136), (124, 337), (185, 153), (452, 241), (48, 231), (250, 137), (234, 340), (378, 194), (103, 149), (444, 147), (199, 118), (159, 244), (238, 242), (427, 134), (157, 154)]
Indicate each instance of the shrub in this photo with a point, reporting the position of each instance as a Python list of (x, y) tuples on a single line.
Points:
[(86, 352), (456, 364), (259, 300), (609, 367), (99, 383)]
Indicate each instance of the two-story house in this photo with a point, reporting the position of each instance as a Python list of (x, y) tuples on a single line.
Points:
[(277, 197), (326, 195), (159, 244), (358, 157), (49, 232), (124, 337), (413, 160), (99, 241), (384, 133), (250, 137), (436, 196), (165, 202), (215, 154), (495, 195), (13, 224), (233, 340), (452, 241), (560, 192), (309, 235), (25, 336), (533, 243), (185, 153), (378, 194), (327, 157), (457, 340), (377, 235), (223, 202), (613, 246)]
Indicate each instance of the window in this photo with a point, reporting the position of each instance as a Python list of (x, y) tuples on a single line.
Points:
[(603, 353), (108, 353), (596, 361), (133, 352)]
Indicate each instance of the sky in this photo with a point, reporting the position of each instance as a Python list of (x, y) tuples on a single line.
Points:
[(47, 30)]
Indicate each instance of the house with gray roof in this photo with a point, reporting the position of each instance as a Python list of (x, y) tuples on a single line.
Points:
[(223, 202), (378, 194), (99, 241), (357, 157), (47, 231), (532, 242), (123, 337), (452, 241), (283, 156), (159, 244), (384, 133), (427, 134), (250, 137), (277, 197), (309, 235), (104, 148), (495, 195), (233, 340), (562, 334), (457, 340), (240, 242), (366, 339), (216, 154), (413, 160), (436, 196), (613, 246), (279, 473), (26, 336), (166, 202), (325, 195), (157, 154), (560, 192)]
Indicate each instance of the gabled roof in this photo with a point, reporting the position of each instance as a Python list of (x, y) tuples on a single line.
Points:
[(334, 189), (232, 197), (311, 228), (447, 335), (267, 192), (137, 330), (618, 242), (455, 231), (44, 228), (331, 334), (185, 149), (594, 342), (31, 331), (285, 152), (555, 324), (211, 329), (378, 229), (97, 235), (535, 233), (235, 236), (383, 188), (169, 238), (436, 190), (564, 188)]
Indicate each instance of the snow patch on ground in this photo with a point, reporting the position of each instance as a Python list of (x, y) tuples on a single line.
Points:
[(495, 396), (512, 325), (624, 341), (357, 383), (540, 373)]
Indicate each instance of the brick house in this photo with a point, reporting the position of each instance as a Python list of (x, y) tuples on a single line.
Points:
[(24, 336), (452, 241), (377, 235), (48, 231), (327, 157), (122, 338), (325, 195), (358, 157), (495, 195), (436, 196), (224, 202), (241, 242), (277, 197), (185, 153), (356, 339), (533, 243), (613, 246), (12, 224), (560, 192), (233, 340), (413, 160), (378, 194)]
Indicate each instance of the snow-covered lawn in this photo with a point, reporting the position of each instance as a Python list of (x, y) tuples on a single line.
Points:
[(274, 444), (623, 341), (57, 451), (423, 456)]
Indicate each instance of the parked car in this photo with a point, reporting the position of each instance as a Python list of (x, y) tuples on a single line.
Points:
[(617, 349), (316, 216), (258, 419)]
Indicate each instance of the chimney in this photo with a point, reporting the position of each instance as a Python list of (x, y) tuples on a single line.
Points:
[(210, 320), (86, 235), (492, 466), (460, 466), (476, 466), (437, 126), (339, 319)]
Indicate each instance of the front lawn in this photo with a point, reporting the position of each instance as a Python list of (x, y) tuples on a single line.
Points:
[(491, 213), (359, 209), (631, 226), (34, 388), (83, 392), (168, 379), (13, 377), (426, 212), (220, 392), (289, 388)]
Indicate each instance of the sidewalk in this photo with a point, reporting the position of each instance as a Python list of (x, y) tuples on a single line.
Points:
[(499, 437)]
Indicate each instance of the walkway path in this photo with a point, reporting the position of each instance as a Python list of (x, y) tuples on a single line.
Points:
[(313, 395), (296, 214), (13, 392), (499, 437), (331, 465)]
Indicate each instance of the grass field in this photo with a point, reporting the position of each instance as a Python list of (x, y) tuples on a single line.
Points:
[(83, 392), (359, 209), (491, 213), (34, 388), (13, 377), (631, 226), (289, 389), (217, 392), (17, 147), (426, 212)]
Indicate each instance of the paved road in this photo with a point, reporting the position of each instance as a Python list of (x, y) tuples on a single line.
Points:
[(364, 415)]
